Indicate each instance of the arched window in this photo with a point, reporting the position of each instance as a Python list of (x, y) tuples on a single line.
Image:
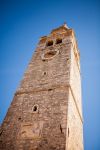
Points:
[(58, 41), (50, 43), (35, 108)]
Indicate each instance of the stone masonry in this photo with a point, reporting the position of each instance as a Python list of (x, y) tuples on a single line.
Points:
[(46, 112)]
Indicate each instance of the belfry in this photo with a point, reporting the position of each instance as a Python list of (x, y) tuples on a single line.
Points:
[(46, 111)]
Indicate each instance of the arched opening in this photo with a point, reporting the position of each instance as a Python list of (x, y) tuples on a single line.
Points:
[(58, 41), (50, 43), (35, 108)]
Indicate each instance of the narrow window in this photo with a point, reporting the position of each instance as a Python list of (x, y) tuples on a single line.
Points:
[(68, 132), (35, 108), (58, 41), (49, 43), (60, 128)]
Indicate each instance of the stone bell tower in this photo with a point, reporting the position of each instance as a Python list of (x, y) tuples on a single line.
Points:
[(46, 112)]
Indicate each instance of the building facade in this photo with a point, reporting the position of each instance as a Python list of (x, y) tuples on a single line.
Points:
[(46, 111)]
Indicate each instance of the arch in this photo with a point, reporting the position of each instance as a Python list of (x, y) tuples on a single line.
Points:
[(58, 41), (50, 43)]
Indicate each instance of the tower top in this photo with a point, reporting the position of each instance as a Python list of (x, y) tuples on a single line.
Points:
[(64, 26)]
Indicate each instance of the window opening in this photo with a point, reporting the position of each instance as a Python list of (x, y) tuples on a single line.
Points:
[(49, 43), (35, 108), (58, 41), (68, 132), (60, 128)]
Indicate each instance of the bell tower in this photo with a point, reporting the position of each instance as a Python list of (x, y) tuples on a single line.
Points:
[(46, 112)]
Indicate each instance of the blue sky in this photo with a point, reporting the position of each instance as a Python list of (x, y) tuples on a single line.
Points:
[(23, 22)]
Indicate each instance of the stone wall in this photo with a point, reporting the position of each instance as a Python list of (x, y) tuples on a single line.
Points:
[(41, 114), (74, 126)]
